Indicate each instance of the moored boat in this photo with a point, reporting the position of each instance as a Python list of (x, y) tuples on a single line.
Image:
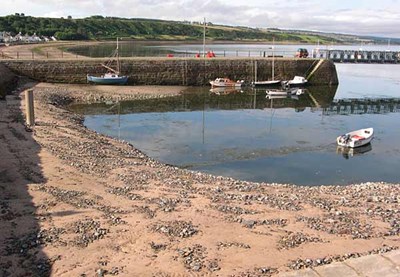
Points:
[(297, 81), (356, 138), (108, 79), (112, 76), (269, 83), (266, 83), (225, 82)]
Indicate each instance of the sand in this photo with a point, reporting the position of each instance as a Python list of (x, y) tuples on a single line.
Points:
[(77, 203)]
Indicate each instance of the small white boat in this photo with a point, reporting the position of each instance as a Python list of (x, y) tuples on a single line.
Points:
[(297, 81), (225, 82), (356, 138)]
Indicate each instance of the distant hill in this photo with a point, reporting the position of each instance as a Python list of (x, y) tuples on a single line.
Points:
[(103, 28)]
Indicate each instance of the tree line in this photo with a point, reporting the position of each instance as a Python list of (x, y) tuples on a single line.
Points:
[(102, 28)]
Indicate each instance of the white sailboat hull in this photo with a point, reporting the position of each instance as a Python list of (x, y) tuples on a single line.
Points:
[(266, 83)]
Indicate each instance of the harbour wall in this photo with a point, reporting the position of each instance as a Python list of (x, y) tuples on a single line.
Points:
[(8, 81), (177, 71)]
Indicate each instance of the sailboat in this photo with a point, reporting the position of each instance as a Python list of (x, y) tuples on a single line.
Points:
[(272, 82), (111, 77)]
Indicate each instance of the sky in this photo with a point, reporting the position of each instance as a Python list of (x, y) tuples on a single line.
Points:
[(360, 17)]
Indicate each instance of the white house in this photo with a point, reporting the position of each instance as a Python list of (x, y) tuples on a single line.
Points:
[(8, 38)]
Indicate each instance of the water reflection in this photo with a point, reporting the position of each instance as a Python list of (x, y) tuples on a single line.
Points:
[(363, 106), (225, 90), (204, 98), (348, 152), (244, 135)]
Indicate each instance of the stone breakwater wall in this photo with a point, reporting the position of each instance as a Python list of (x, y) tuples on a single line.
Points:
[(8, 81), (176, 71)]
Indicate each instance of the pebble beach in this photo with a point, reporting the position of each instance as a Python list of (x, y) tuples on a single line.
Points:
[(77, 203)]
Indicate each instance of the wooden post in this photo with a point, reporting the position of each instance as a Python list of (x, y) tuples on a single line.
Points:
[(30, 111)]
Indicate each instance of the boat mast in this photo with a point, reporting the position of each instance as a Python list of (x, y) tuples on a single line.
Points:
[(204, 38), (255, 71), (118, 64), (273, 58)]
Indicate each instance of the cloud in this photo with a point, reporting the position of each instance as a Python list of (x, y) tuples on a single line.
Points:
[(357, 17)]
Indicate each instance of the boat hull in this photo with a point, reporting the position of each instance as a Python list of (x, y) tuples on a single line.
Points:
[(266, 83), (356, 138), (297, 81), (122, 80), (225, 83)]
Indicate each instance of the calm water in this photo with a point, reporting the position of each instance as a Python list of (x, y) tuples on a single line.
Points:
[(134, 49), (244, 135)]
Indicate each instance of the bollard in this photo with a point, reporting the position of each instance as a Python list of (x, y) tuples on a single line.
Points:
[(30, 112)]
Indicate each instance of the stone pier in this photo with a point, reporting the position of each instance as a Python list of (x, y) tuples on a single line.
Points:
[(177, 71)]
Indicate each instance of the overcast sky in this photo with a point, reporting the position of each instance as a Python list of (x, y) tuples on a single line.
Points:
[(362, 17)]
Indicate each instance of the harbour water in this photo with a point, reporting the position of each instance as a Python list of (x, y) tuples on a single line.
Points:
[(244, 135), (179, 49)]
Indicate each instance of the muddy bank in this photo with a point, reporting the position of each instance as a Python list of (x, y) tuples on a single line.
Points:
[(103, 207)]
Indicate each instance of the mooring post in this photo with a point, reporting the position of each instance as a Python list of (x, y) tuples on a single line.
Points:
[(30, 113)]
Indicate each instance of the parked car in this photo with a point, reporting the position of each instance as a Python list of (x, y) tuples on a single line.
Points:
[(301, 53)]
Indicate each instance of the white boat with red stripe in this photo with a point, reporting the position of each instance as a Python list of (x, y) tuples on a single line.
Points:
[(356, 138)]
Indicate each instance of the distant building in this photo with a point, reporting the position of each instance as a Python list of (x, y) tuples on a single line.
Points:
[(7, 38)]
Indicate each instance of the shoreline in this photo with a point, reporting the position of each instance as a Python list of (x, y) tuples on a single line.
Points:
[(101, 200)]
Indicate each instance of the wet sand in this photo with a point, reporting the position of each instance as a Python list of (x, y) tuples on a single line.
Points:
[(77, 203)]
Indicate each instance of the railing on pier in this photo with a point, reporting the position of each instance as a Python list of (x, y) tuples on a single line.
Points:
[(357, 56)]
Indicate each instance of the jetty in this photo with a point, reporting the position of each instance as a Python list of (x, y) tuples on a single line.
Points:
[(357, 56), (176, 71)]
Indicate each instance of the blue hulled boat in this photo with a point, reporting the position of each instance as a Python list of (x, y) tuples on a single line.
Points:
[(112, 76), (108, 79)]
